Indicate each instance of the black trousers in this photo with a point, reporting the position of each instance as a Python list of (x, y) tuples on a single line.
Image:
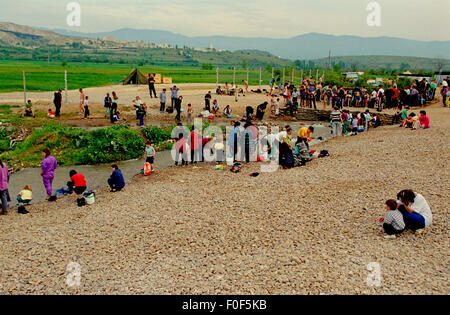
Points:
[(305, 140), (163, 107), (114, 186), (152, 90), (390, 230), (178, 116), (112, 112), (184, 158), (312, 100), (57, 109), (396, 119)]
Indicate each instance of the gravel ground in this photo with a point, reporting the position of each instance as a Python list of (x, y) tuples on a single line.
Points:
[(195, 230)]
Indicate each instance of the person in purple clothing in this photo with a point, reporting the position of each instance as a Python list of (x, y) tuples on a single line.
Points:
[(48, 167), (4, 179)]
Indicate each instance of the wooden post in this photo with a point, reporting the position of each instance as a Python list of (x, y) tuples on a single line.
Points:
[(234, 75), (284, 75), (217, 77), (317, 75), (65, 87), (248, 77), (24, 88), (293, 75), (310, 74), (273, 72), (302, 77), (260, 77)]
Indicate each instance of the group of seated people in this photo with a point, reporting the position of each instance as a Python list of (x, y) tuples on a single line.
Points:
[(411, 120), (229, 90), (294, 154)]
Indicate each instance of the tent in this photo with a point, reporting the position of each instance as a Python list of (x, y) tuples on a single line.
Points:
[(135, 77)]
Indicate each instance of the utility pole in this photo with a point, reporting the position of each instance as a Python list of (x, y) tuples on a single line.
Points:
[(234, 76), (329, 60), (24, 88), (260, 77), (217, 77), (48, 57), (65, 86)]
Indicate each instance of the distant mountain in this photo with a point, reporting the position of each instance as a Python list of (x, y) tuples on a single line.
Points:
[(14, 34), (308, 46), (19, 42)]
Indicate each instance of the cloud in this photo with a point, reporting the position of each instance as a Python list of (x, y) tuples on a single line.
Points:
[(414, 19)]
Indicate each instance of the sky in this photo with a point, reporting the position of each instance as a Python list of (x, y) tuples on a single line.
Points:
[(411, 19)]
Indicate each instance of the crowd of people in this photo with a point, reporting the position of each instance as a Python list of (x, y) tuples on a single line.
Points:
[(410, 210), (283, 99), (309, 93)]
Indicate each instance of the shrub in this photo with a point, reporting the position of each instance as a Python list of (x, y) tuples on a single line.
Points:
[(157, 135), (111, 144)]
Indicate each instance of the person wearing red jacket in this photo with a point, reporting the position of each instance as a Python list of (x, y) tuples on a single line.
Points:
[(77, 183), (196, 145)]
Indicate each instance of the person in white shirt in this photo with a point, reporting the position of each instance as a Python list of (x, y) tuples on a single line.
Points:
[(415, 209)]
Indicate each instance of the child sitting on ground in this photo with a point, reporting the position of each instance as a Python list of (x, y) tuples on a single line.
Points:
[(393, 223), (410, 121), (25, 196), (50, 114), (116, 118)]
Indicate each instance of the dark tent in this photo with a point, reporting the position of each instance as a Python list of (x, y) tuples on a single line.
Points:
[(135, 77)]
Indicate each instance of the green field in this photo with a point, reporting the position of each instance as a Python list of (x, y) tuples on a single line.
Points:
[(43, 77)]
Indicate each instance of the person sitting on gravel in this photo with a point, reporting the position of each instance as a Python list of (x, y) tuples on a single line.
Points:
[(116, 181), (215, 107), (25, 196), (116, 118), (227, 112), (424, 120), (415, 209), (77, 183), (28, 110), (410, 121), (393, 223)]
